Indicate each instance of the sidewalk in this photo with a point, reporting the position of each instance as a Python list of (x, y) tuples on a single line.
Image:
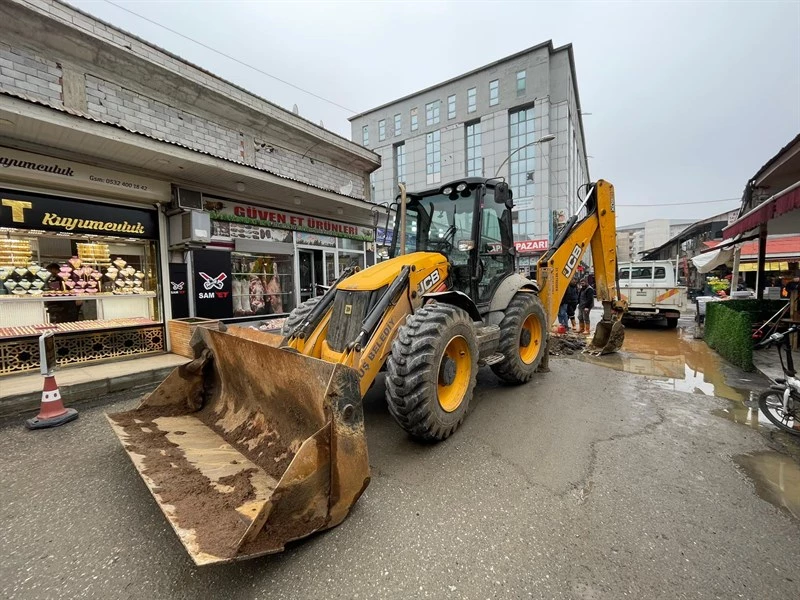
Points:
[(22, 393), (768, 363)]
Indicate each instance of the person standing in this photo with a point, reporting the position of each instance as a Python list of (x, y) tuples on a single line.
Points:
[(585, 304), (571, 299)]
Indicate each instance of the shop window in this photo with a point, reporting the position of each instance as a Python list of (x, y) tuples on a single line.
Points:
[(263, 284)]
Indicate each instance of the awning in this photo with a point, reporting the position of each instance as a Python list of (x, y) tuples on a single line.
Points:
[(779, 204), (708, 261), (768, 266)]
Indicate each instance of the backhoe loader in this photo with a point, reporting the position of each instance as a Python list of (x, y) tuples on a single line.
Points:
[(260, 440)]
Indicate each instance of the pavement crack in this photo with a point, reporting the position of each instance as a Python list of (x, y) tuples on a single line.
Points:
[(583, 488)]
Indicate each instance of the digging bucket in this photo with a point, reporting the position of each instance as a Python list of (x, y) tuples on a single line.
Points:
[(249, 446), (608, 337)]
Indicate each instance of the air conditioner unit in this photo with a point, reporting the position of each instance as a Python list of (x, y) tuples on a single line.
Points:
[(192, 227), (189, 199)]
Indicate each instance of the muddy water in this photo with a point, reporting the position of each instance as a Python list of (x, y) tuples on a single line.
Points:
[(673, 360), (776, 478)]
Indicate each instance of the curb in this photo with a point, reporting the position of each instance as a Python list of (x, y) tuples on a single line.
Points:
[(90, 392)]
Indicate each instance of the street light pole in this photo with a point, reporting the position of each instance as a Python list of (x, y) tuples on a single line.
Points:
[(547, 138)]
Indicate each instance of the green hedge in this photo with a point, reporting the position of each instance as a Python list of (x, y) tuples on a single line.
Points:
[(759, 310), (730, 332)]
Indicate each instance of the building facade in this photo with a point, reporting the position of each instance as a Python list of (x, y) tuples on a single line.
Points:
[(634, 240), (493, 121), (137, 188)]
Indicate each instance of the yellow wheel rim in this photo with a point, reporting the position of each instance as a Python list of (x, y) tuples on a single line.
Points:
[(455, 371), (530, 339)]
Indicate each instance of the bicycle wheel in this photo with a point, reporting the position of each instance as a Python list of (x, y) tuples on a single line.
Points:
[(770, 402)]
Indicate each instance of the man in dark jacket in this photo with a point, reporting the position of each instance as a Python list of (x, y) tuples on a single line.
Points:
[(571, 300), (585, 304)]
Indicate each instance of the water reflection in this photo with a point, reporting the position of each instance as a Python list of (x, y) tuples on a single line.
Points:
[(673, 360), (776, 478)]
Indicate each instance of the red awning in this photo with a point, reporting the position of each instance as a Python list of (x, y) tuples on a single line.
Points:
[(781, 203)]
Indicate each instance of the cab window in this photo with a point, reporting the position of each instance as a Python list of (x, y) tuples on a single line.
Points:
[(661, 273), (641, 273)]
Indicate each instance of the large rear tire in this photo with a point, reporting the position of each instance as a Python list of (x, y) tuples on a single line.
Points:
[(523, 339), (431, 371), (297, 315)]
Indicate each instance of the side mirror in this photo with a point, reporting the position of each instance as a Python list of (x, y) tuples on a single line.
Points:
[(503, 194)]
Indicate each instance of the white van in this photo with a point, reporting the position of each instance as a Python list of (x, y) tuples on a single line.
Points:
[(652, 291)]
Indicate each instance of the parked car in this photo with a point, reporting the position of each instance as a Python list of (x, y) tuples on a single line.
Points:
[(652, 291)]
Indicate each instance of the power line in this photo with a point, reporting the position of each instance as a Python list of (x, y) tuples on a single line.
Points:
[(680, 203), (233, 58)]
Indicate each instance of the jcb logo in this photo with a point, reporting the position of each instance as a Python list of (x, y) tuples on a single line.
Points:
[(572, 261), (430, 281)]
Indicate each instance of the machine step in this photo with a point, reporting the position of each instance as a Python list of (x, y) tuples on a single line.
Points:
[(492, 360)]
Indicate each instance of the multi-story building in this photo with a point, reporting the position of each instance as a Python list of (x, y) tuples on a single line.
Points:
[(518, 118), (634, 240)]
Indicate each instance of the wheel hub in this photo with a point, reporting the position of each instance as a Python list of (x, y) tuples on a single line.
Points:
[(525, 338), (447, 371)]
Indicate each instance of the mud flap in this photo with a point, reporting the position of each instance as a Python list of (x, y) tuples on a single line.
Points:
[(249, 446)]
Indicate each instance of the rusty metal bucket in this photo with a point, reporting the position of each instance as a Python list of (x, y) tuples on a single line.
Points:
[(608, 337), (249, 446)]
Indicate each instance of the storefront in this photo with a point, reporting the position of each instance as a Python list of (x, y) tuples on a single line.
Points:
[(262, 262), (85, 268)]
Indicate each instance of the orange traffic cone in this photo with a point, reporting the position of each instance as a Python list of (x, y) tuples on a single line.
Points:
[(52, 412)]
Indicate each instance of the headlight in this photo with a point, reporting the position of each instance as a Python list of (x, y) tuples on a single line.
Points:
[(383, 252), (461, 187), (465, 245), (447, 191)]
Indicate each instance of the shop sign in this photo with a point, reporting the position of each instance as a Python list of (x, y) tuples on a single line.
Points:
[(32, 211), (213, 284), (234, 212), (528, 246), (242, 231), (179, 290), (28, 167), (309, 239)]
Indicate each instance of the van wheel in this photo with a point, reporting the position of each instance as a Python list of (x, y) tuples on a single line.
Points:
[(672, 322)]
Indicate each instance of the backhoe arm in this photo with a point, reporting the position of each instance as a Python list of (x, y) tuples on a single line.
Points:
[(558, 266)]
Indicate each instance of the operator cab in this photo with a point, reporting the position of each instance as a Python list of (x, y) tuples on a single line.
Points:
[(469, 222)]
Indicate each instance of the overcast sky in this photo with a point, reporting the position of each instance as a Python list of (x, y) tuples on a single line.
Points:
[(688, 99)]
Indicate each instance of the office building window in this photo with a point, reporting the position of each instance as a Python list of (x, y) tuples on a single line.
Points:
[(381, 130), (521, 83), (414, 120), (433, 157), (400, 163), (521, 163), (451, 107), (471, 100), (432, 112), (365, 135), (494, 92), (398, 124), (474, 159)]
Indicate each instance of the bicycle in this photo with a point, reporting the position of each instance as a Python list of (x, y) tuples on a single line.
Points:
[(781, 402)]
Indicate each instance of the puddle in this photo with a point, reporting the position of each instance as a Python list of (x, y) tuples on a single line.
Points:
[(673, 360), (776, 478)]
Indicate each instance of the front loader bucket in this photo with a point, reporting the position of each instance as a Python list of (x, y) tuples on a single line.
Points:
[(249, 446), (608, 337)]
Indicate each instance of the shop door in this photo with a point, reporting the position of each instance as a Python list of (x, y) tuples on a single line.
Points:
[(312, 273), (331, 272)]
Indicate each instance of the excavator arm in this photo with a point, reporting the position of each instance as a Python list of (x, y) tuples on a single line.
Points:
[(559, 265)]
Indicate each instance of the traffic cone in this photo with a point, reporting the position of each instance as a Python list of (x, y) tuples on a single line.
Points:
[(52, 412)]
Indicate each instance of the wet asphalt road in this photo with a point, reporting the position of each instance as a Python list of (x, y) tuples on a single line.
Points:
[(587, 483)]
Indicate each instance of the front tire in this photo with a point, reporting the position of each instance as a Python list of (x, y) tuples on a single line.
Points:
[(672, 322), (523, 339), (431, 371), (298, 315), (770, 403)]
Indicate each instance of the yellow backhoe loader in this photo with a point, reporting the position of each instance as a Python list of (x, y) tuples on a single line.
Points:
[(260, 439)]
